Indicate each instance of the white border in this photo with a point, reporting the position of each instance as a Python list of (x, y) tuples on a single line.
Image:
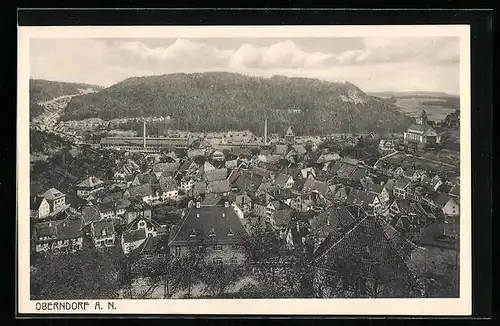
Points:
[(414, 307)]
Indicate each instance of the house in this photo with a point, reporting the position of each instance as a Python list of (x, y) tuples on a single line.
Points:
[(280, 149), (216, 232), (369, 256), (401, 186), (119, 177), (334, 219), (400, 206), (137, 231), (103, 233), (106, 210), (219, 187), (218, 156), (246, 182), (341, 194), (149, 193), (283, 181), (186, 184), (447, 204), (278, 216), (206, 168), (39, 207), (320, 191), (216, 175), (166, 169), (421, 135), (380, 191), (455, 191), (299, 150), (169, 189), (151, 249), (244, 201), (386, 146), (260, 205), (231, 164), (328, 157), (137, 208), (90, 185), (59, 236), (369, 201), (144, 179), (55, 199)]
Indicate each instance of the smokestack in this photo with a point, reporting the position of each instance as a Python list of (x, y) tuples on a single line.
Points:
[(265, 132), (144, 134)]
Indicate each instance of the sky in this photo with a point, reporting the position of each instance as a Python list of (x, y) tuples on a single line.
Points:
[(374, 64)]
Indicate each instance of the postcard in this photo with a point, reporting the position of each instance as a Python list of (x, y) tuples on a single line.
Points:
[(250, 170)]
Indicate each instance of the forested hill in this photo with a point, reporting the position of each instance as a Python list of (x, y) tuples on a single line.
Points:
[(45, 90), (227, 101)]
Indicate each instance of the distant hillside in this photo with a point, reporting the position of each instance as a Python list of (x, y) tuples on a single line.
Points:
[(44, 90), (227, 101), (410, 94)]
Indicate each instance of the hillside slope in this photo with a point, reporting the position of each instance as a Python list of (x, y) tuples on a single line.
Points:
[(223, 101), (45, 90)]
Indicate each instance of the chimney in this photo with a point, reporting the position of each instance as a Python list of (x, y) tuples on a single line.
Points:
[(265, 132), (144, 134), (226, 203), (223, 215), (328, 221), (198, 204)]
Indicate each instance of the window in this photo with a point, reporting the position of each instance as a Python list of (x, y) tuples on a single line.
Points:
[(218, 247), (235, 246), (217, 261), (234, 260), (177, 251)]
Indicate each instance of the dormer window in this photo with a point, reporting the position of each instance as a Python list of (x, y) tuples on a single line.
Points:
[(193, 234), (212, 233), (230, 233), (103, 232)]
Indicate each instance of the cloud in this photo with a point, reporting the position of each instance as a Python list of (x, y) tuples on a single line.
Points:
[(373, 64)]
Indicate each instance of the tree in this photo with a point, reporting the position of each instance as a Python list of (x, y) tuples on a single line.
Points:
[(82, 275), (219, 278)]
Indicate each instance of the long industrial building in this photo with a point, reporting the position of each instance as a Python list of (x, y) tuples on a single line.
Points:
[(146, 144)]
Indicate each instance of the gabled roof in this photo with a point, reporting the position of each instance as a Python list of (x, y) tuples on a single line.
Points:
[(328, 158), (260, 171), (369, 248), (167, 184), (374, 188), (442, 199), (145, 178), (141, 191), (166, 167), (45, 229), (334, 219), (248, 182), (90, 182), (231, 164), (70, 228), (134, 235), (289, 132), (402, 183), (312, 185), (36, 202), (216, 174), (219, 220), (211, 199), (206, 167), (52, 194), (281, 179), (186, 164), (219, 186), (348, 160), (455, 191), (280, 149), (151, 246), (299, 149), (90, 214), (98, 226), (420, 128), (360, 198), (403, 206)]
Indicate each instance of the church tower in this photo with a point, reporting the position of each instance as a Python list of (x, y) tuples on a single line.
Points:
[(289, 136), (422, 119)]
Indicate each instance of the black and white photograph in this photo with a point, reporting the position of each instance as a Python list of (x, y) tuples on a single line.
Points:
[(185, 165)]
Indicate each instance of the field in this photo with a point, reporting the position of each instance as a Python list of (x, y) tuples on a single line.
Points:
[(414, 106), (446, 162)]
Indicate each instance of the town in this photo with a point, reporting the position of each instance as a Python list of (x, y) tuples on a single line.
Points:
[(204, 215)]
